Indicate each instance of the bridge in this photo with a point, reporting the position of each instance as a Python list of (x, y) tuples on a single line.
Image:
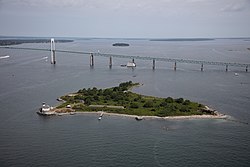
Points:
[(153, 59)]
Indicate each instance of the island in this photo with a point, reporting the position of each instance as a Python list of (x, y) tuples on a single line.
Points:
[(121, 100), (120, 44)]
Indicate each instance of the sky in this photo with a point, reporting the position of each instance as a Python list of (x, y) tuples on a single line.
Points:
[(125, 18)]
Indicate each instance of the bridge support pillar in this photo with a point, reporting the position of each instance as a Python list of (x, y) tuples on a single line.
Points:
[(91, 60), (53, 51), (110, 62), (246, 68), (202, 68), (153, 64), (175, 66), (226, 68)]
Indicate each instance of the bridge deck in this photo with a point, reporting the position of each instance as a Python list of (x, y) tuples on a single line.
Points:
[(189, 61)]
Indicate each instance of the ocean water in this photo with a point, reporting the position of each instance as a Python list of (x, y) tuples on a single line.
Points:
[(28, 79)]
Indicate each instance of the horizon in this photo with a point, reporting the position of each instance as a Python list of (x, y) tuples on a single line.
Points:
[(130, 38)]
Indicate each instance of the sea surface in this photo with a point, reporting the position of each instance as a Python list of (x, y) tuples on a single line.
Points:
[(27, 79)]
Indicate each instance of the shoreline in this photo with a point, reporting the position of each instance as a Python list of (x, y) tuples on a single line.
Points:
[(218, 116)]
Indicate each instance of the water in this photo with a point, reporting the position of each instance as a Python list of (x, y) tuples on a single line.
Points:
[(28, 78)]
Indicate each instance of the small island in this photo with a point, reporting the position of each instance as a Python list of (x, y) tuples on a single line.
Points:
[(120, 44), (120, 100)]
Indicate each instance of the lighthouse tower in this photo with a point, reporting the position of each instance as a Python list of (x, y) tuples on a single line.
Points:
[(53, 51)]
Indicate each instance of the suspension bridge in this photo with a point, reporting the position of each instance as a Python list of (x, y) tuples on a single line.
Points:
[(153, 59)]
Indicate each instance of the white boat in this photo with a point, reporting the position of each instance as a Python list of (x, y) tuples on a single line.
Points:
[(131, 64), (46, 110), (100, 117), (236, 74)]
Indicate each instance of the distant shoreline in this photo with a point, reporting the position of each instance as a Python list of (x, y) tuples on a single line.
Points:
[(183, 39), (7, 42)]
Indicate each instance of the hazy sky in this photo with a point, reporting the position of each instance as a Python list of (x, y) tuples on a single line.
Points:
[(125, 18)]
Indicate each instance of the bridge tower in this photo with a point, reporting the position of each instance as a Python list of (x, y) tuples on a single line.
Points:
[(53, 51), (202, 67), (91, 60), (153, 64), (110, 62)]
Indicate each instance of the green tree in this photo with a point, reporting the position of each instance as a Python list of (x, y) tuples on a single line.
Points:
[(96, 98), (179, 100), (134, 105), (107, 92), (184, 109), (186, 102), (169, 100), (107, 97), (148, 104), (87, 101), (164, 104), (100, 92)]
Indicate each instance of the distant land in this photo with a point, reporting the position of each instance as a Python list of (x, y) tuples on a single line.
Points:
[(5, 42), (183, 39)]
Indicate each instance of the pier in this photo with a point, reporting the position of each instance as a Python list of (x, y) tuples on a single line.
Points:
[(175, 61)]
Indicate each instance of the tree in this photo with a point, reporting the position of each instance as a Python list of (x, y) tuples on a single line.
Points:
[(87, 101), (184, 109), (96, 98), (100, 92), (107, 97), (186, 102), (179, 100), (78, 97), (94, 90), (148, 104), (164, 104), (107, 92), (169, 100), (134, 105), (116, 89)]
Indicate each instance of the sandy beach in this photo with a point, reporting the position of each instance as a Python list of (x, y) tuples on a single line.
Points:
[(218, 116)]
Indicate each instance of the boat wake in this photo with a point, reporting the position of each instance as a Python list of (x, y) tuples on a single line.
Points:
[(34, 60), (4, 57)]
